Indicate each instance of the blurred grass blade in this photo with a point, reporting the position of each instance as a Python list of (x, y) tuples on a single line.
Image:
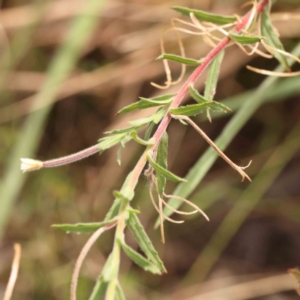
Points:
[(21, 43), (204, 163), (205, 16), (180, 59), (144, 241), (272, 39), (212, 78), (245, 204), (244, 39), (66, 57), (139, 259), (162, 171)]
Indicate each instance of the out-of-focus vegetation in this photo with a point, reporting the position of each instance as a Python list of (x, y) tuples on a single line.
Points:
[(66, 68)]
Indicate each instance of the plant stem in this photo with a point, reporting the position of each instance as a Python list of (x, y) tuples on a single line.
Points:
[(183, 91)]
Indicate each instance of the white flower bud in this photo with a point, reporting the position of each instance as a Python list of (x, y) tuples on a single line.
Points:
[(28, 164)]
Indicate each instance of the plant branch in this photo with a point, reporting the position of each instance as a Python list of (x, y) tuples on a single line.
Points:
[(184, 90)]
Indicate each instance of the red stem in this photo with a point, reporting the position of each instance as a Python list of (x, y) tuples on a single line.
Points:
[(184, 89)]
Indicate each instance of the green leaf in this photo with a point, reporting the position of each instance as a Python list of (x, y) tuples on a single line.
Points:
[(110, 141), (212, 78), (196, 95), (125, 140), (119, 292), (136, 138), (146, 103), (207, 17), (124, 130), (119, 155), (144, 241), (111, 267), (180, 59), (213, 105), (162, 160), (153, 118), (162, 171), (125, 193), (161, 97), (139, 259), (190, 110), (272, 39), (244, 39), (114, 209), (81, 227), (219, 107), (149, 131), (99, 289)]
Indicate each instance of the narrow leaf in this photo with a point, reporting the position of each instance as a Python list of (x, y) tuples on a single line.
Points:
[(144, 241), (139, 259), (162, 171), (110, 141), (153, 118), (212, 79), (81, 227), (196, 95), (125, 193), (180, 59), (99, 289), (119, 156), (114, 209), (161, 97), (111, 267), (272, 39), (136, 138), (207, 17), (190, 110), (124, 130), (244, 39), (219, 107), (162, 160), (119, 292), (149, 131), (146, 103)]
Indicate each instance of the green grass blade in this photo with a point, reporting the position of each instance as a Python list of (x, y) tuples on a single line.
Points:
[(29, 137), (245, 205)]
